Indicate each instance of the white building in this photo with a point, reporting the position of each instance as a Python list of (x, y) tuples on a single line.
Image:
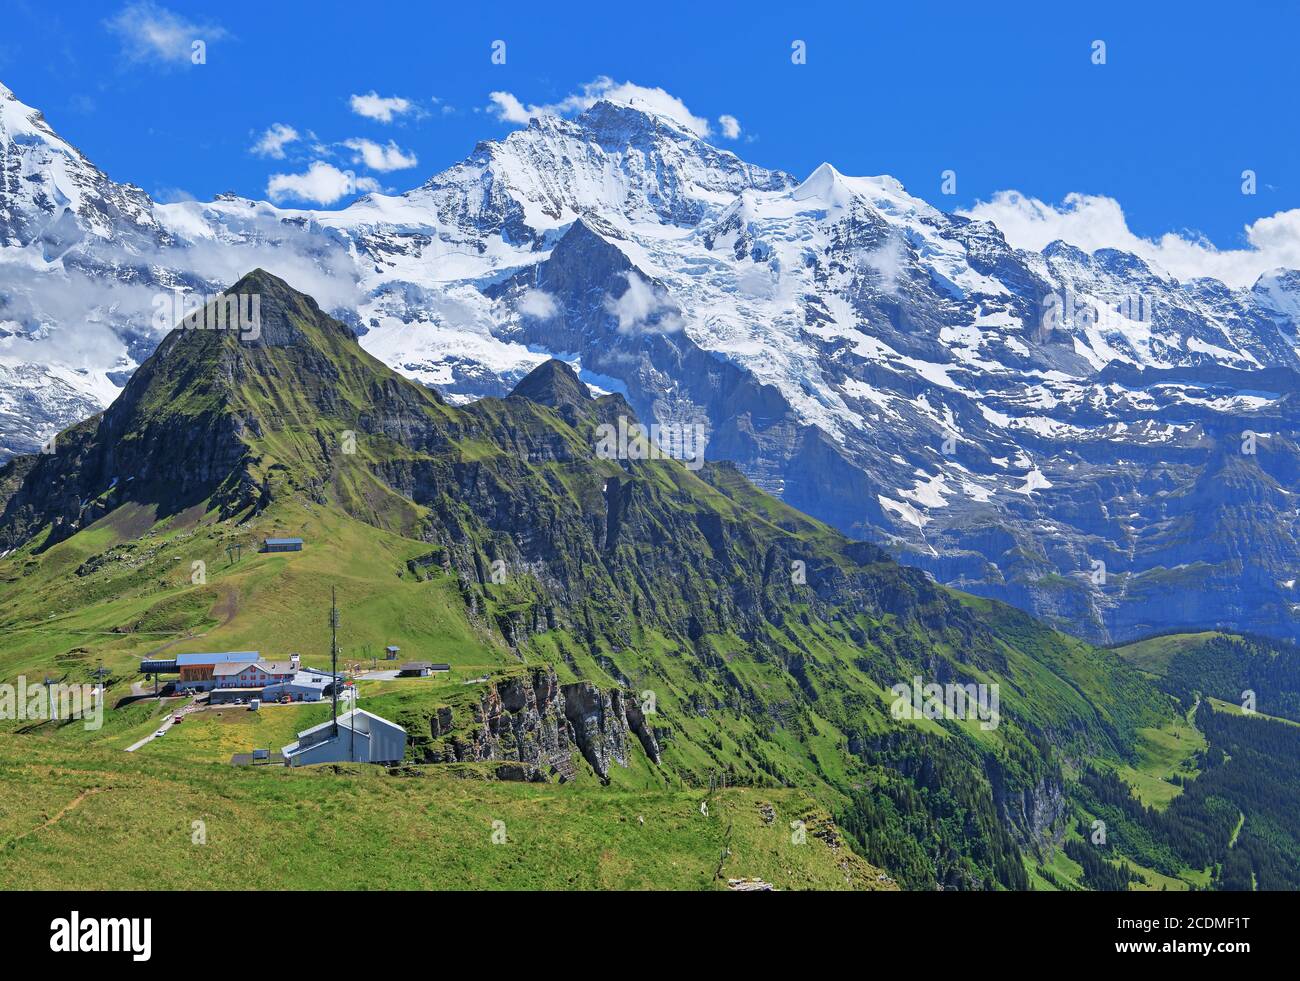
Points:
[(361, 738), (305, 686), (259, 674)]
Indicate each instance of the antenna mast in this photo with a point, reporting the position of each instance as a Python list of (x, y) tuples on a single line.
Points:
[(334, 660)]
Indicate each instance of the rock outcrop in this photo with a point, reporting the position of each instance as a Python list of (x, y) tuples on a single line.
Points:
[(1035, 816), (540, 724)]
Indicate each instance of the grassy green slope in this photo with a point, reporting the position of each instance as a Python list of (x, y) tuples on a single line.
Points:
[(638, 574), (133, 821)]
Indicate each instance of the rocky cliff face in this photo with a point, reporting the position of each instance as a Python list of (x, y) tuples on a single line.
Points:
[(534, 725), (1035, 816)]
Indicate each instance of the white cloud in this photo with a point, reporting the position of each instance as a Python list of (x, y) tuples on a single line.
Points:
[(322, 183), (508, 108), (274, 140), (1092, 222), (887, 261), (730, 126), (537, 304), (171, 195), (643, 308), (372, 105), (38, 303), (152, 33), (380, 158)]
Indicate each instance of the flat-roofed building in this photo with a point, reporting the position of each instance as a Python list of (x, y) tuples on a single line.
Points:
[(232, 696), (415, 669), (304, 686), (360, 737)]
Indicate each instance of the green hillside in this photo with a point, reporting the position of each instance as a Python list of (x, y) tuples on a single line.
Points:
[(134, 821), (1237, 817), (494, 537)]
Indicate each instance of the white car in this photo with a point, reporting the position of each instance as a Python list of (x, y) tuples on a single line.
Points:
[(161, 732)]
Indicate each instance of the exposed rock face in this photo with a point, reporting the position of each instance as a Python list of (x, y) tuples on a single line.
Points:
[(536, 722), (590, 712), (750, 885), (1034, 816)]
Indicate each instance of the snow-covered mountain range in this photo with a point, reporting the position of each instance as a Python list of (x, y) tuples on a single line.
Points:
[(1080, 434)]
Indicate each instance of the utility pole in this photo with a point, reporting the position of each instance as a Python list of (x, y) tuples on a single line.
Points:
[(334, 659)]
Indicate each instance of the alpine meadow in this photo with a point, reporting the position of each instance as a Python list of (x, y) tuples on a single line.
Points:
[(611, 512)]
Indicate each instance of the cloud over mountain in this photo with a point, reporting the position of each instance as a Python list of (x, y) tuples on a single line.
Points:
[(509, 108), (1093, 221), (320, 183)]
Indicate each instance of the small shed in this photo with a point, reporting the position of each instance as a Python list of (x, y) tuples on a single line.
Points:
[(391, 652), (258, 757), (415, 669), (282, 545)]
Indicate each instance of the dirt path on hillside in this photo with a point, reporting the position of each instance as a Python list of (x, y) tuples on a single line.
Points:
[(148, 655), (67, 809), (227, 608)]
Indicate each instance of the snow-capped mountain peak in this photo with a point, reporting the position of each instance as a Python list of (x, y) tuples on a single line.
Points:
[(831, 189), (614, 160), (53, 196), (1279, 292), (1005, 418)]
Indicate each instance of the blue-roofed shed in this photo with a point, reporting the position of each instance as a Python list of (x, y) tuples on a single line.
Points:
[(282, 545)]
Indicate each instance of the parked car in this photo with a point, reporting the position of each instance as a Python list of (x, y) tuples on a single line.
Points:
[(160, 732), (177, 719)]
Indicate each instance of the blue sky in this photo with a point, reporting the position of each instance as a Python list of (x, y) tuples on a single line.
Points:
[(1005, 95)]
